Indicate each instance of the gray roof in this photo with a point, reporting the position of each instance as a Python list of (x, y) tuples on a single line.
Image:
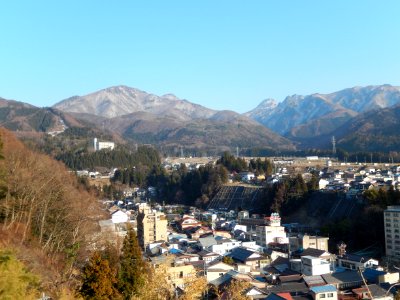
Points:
[(342, 277), (291, 287), (204, 253), (207, 241), (312, 252), (354, 257), (280, 261), (376, 290), (226, 278), (241, 254), (314, 280)]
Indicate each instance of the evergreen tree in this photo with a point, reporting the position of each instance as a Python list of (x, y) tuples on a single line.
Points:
[(133, 268), (313, 184), (98, 279)]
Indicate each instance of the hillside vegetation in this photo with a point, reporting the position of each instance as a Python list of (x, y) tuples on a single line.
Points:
[(45, 217)]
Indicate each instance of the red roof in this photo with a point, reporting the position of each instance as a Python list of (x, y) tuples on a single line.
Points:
[(287, 296)]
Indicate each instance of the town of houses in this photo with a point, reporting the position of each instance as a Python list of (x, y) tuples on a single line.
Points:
[(277, 261)]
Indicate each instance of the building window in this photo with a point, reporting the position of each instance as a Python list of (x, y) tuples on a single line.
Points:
[(322, 296), (330, 295)]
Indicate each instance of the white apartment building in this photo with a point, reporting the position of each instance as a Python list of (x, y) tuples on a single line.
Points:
[(392, 231), (97, 145), (225, 246), (312, 266), (273, 232)]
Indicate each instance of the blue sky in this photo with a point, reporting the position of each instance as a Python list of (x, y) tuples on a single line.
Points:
[(221, 54)]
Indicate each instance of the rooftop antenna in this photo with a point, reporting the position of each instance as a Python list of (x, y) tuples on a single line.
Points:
[(342, 249)]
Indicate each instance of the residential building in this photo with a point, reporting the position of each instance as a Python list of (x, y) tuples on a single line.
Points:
[(188, 222), (312, 266), (392, 231), (151, 225), (217, 269), (325, 292), (355, 262), (271, 233), (305, 241), (208, 257), (224, 246), (372, 291), (179, 273), (119, 217), (251, 258), (97, 145)]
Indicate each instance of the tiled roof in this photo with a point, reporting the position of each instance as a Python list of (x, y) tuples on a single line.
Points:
[(241, 254), (224, 278), (354, 257), (342, 277), (207, 241), (314, 280), (312, 252), (291, 287), (277, 296)]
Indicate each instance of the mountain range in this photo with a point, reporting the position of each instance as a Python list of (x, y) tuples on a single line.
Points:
[(301, 116), (298, 121)]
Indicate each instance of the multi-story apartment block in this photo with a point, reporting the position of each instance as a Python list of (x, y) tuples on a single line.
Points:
[(97, 145), (151, 226), (271, 233), (304, 241), (392, 231)]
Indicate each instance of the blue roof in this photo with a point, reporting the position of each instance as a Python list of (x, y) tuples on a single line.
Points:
[(323, 289), (174, 251), (372, 274)]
